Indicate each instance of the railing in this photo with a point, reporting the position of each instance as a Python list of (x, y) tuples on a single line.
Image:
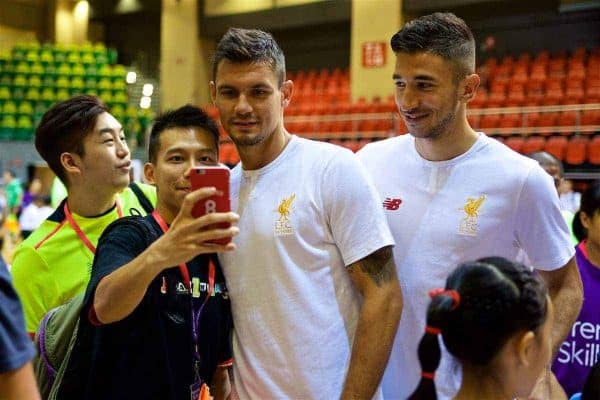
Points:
[(396, 126)]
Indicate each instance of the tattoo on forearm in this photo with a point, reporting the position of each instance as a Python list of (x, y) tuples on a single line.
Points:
[(379, 265)]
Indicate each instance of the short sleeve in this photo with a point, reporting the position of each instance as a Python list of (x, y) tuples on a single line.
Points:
[(540, 226), (35, 285), (15, 346), (355, 214), (122, 241)]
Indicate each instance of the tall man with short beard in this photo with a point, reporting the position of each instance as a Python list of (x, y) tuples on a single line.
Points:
[(452, 194), (313, 287)]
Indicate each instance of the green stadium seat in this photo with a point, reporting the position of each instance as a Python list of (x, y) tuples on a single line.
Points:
[(105, 84), (120, 97), (90, 82), (101, 60), (8, 124), (106, 96), (32, 56), (88, 59), (19, 53), (9, 108), (25, 108), (77, 83), (18, 93), (59, 57), (64, 70), (37, 69), (33, 94), (19, 81), (48, 94), (73, 58), (35, 81), (50, 70), (105, 71), (24, 129), (118, 111), (62, 94), (119, 84), (46, 57), (22, 68), (91, 71), (119, 71), (48, 81), (62, 82), (5, 80), (78, 70), (4, 93)]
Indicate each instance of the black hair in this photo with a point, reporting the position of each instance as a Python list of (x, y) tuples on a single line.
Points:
[(188, 116), (497, 299), (591, 389), (590, 205), (250, 45), (443, 34), (63, 128)]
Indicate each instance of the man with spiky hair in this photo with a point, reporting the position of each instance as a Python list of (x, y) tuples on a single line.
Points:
[(452, 194)]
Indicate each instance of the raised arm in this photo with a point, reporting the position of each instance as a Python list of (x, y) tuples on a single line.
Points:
[(375, 277), (121, 291)]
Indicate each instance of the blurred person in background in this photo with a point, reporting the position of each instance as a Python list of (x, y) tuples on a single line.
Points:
[(581, 349)]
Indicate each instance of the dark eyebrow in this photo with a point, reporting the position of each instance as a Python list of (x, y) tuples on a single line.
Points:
[(417, 78), (110, 130)]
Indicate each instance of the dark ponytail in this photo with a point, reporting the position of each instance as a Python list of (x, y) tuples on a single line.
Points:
[(442, 304), (485, 302)]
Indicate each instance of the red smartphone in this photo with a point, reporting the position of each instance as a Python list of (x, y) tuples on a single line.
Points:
[(218, 177)]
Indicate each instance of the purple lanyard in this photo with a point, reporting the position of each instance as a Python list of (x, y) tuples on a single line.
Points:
[(196, 314), (186, 277)]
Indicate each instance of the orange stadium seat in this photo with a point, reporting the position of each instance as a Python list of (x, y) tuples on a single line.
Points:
[(594, 151), (557, 146), (515, 143), (576, 153), (533, 143)]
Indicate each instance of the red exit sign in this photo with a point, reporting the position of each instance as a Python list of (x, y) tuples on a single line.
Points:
[(373, 54)]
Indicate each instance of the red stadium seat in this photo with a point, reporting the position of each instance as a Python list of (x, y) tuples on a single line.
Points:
[(532, 144), (594, 151), (489, 121), (515, 143), (557, 146), (577, 151)]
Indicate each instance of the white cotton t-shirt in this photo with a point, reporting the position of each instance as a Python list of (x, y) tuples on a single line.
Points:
[(303, 218), (489, 201)]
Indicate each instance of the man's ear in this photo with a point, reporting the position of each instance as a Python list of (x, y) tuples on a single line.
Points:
[(71, 163), (287, 90), (213, 91), (525, 345), (585, 220), (470, 85), (149, 173)]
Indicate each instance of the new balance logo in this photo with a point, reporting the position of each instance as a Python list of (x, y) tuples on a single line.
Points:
[(392, 204)]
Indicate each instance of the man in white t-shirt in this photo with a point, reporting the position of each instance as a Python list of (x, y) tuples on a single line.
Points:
[(452, 194), (313, 288)]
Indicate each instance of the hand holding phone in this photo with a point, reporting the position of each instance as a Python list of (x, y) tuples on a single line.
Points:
[(218, 177)]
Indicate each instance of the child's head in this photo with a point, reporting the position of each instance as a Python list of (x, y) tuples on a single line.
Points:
[(588, 224), (493, 315)]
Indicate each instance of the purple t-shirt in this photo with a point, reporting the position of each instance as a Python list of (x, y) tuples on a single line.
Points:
[(581, 349)]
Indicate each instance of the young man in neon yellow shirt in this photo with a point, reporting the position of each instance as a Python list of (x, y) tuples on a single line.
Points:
[(85, 147)]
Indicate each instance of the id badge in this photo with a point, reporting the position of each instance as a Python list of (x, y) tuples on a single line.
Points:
[(200, 391)]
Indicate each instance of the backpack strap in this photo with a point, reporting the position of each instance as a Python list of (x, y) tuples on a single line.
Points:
[(144, 202)]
